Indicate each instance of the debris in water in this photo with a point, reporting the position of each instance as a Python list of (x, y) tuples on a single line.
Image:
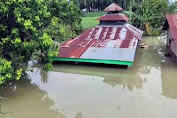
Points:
[(143, 45)]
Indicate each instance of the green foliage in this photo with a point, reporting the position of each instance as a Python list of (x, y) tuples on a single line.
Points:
[(173, 7), (65, 21), (154, 12), (6, 70), (100, 4), (29, 29), (59, 31), (69, 13), (19, 73), (151, 12), (45, 41), (48, 66)]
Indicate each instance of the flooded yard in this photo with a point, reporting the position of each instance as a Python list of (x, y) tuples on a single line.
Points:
[(148, 89)]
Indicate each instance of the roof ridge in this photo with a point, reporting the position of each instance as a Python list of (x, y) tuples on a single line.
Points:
[(113, 7)]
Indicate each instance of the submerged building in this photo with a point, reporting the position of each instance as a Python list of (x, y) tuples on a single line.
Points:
[(113, 41), (171, 27)]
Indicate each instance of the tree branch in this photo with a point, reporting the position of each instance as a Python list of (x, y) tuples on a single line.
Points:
[(18, 64)]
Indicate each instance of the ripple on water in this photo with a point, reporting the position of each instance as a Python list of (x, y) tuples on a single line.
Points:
[(147, 89)]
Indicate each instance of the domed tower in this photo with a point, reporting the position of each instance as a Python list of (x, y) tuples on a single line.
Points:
[(113, 41)]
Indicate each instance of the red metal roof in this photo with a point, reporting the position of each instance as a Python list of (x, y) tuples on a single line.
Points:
[(114, 17), (172, 21), (104, 42), (113, 7)]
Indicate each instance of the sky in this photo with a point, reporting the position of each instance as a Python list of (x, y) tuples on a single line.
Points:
[(172, 0)]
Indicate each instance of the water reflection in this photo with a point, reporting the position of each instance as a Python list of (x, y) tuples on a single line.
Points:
[(169, 79), (112, 76), (79, 115), (151, 57), (130, 83), (44, 75), (26, 100), (143, 91), (145, 60)]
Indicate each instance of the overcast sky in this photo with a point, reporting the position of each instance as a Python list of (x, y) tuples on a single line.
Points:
[(172, 0)]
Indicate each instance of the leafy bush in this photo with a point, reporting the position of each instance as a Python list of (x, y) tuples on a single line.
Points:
[(29, 29), (69, 13), (149, 15), (7, 72)]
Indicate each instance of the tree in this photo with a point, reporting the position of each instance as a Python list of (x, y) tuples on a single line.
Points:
[(101, 4), (26, 34), (67, 13), (20, 39), (29, 29), (149, 15), (65, 20)]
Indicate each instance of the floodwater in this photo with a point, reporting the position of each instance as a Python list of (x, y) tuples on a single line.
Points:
[(148, 89)]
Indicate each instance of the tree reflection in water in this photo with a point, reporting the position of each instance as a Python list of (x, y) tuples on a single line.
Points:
[(78, 115), (153, 56), (28, 98), (33, 99), (145, 60), (169, 79), (44, 75)]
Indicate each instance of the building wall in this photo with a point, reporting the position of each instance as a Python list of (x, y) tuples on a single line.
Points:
[(169, 36), (171, 46)]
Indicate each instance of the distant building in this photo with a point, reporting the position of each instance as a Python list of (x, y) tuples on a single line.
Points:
[(113, 41), (171, 27)]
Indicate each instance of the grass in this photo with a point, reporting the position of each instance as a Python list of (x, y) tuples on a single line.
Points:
[(89, 22), (89, 19), (93, 14)]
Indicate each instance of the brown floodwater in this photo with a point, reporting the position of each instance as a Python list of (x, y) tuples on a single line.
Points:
[(148, 89)]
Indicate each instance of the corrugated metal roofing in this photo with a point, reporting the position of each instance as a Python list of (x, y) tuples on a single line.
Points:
[(104, 43), (113, 7), (114, 17), (172, 21)]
